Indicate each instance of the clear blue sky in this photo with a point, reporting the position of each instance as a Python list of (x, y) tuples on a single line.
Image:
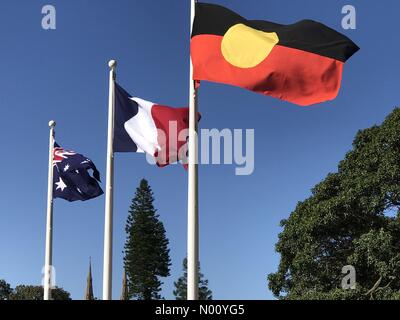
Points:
[(63, 75)]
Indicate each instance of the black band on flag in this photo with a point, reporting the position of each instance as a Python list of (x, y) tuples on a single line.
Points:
[(306, 35)]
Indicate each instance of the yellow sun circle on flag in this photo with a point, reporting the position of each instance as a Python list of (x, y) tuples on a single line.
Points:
[(245, 47)]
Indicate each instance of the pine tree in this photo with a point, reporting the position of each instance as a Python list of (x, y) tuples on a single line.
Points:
[(146, 248), (180, 291)]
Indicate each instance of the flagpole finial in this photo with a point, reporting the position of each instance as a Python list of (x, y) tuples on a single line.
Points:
[(52, 123), (112, 64)]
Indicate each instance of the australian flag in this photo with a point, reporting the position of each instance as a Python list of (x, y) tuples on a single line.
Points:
[(72, 180)]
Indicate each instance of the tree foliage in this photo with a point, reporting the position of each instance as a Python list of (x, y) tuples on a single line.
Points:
[(5, 290), (146, 248), (351, 218), (180, 291), (24, 292)]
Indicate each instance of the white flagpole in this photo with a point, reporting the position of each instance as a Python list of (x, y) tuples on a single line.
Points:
[(49, 223), (108, 225), (193, 213)]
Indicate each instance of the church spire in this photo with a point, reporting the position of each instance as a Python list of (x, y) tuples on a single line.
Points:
[(89, 283), (124, 293)]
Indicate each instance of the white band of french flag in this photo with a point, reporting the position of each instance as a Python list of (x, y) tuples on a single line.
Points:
[(142, 128)]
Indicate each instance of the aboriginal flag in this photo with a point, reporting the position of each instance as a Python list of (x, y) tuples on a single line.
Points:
[(301, 63)]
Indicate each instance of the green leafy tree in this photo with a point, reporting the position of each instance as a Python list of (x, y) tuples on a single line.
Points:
[(5, 290), (180, 291), (351, 218), (146, 248), (23, 292)]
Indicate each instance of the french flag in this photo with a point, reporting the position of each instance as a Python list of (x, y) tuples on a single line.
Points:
[(143, 126)]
